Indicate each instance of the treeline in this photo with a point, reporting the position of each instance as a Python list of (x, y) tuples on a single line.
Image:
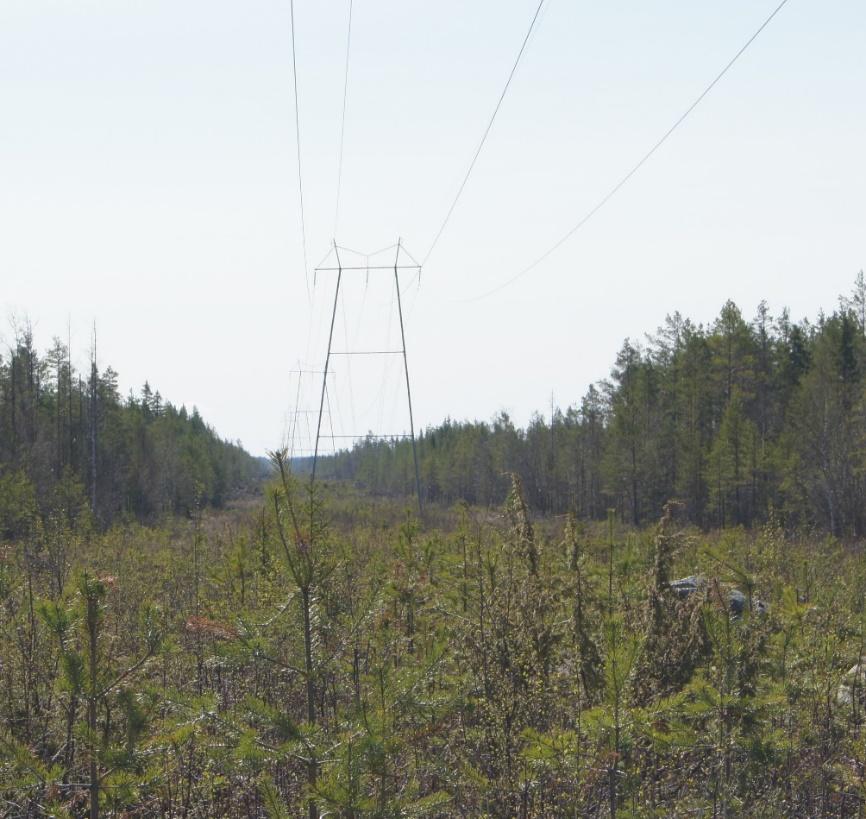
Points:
[(741, 420), (70, 444)]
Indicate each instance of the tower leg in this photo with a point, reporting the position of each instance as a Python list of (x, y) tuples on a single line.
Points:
[(408, 388), (327, 362)]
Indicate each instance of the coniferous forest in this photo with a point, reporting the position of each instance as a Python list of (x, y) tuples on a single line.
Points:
[(742, 420), (69, 441), (653, 606)]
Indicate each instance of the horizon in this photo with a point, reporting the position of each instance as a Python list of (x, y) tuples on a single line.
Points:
[(159, 198), (128, 389)]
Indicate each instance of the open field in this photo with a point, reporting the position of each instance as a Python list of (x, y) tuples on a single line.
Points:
[(279, 658)]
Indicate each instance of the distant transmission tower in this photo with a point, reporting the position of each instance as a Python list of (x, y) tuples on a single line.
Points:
[(340, 270)]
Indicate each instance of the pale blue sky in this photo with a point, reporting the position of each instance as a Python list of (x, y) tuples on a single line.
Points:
[(148, 181)]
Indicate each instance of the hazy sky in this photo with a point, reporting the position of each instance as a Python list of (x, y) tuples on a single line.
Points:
[(148, 181)]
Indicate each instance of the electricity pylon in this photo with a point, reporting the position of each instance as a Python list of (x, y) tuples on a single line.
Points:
[(340, 270)]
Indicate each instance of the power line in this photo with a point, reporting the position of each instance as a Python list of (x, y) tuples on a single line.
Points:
[(486, 132), (331, 419), (386, 367), (295, 421), (298, 142), (343, 122), (341, 425), (348, 362), (359, 253), (331, 352), (411, 257), (641, 162)]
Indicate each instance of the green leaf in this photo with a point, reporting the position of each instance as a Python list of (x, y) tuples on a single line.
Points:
[(273, 802)]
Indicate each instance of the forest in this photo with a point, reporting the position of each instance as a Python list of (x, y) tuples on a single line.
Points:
[(70, 442), (741, 420), (653, 606)]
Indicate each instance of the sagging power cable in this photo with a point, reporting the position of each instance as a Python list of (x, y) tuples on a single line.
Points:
[(343, 122), (635, 168), (485, 134), (298, 142)]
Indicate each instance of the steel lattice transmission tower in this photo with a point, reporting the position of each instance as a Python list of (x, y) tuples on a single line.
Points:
[(339, 269)]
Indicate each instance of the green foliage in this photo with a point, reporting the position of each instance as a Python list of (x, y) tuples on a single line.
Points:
[(743, 421), (71, 447), (375, 666), (18, 507)]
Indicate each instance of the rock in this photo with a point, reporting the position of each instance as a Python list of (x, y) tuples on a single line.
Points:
[(737, 601), (687, 586), (853, 681)]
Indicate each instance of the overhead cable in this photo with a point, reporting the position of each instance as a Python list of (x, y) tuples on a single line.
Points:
[(343, 122), (486, 132), (640, 163), (298, 142)]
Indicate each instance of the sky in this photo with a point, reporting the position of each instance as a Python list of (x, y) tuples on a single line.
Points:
[(149, 185)]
